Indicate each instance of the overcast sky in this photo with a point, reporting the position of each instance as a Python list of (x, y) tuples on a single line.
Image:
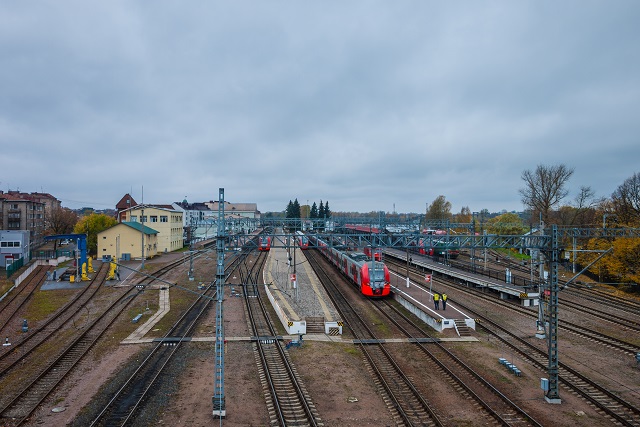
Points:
[(371, 105)]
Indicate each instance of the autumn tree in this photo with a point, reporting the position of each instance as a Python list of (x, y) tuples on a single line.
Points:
[(91, 225), (465, 215), (508, 224), (545, 188), (440, 210)]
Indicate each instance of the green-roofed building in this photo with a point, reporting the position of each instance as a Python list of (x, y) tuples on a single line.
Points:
[(124, 241)]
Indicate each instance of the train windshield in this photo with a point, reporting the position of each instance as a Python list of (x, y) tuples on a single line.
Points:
[(377, 277)]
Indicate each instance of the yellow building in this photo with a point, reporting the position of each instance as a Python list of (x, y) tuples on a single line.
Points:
[(124, 241), (164, 219)]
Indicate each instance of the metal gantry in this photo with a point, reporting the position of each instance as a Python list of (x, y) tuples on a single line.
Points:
[(549, 242)]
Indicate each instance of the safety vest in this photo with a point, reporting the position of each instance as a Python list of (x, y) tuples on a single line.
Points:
[(444, 297), (436, 297)]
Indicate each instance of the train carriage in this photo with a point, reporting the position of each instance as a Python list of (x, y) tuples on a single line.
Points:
[(375, 253), (372, 277), (302, 240), (264, 243), (436, 248)]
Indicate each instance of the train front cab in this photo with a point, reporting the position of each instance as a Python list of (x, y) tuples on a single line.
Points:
[(381, 280), (264, 244)]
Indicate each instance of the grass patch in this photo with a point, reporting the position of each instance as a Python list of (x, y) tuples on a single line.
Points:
[(352, 350), (513, 254), (43, 304), (5, 285)]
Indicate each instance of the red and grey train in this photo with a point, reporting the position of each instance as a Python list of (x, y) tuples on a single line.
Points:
[(302, 240), (371, 277), (264, 243), (436, 247), (376, 253)]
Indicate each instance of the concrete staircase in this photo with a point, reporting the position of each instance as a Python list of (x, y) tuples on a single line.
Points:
[(315, 325), (461, 328)]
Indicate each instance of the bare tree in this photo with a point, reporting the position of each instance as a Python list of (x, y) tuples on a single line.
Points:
[(545, 188), (62, 221), (626, 201), (582, 211)]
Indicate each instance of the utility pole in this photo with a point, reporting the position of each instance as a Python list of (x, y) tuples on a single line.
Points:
[(142, 227), (218, 399), (552, 395)]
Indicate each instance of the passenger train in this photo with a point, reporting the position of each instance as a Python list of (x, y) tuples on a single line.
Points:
[(264, 243), (377, 253), (302, 240), (437, 248), (371, 277)]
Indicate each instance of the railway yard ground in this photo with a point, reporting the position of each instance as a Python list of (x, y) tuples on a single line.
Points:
[(332, 369)]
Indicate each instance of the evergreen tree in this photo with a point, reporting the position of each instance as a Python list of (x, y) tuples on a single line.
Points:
[(289, 210), (321, 210), (314, 211), (296, 209), (327, 211)]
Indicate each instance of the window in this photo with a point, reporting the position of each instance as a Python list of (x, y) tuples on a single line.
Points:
[(134, 218), (154, 218), (3, 244), (164, 218), (144, 218)]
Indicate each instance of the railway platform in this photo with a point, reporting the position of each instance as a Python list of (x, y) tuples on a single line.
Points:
[(528, 297), (419, 301), (297, 296)]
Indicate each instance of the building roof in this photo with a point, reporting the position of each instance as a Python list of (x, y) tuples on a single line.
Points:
[(145, 206), (138, 226), (243, 207), (197, 206), (122, 204)]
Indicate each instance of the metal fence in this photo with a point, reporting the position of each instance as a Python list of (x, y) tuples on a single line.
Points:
[(51, 254), (15, 266)]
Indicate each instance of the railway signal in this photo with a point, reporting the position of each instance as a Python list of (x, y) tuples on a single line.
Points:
[(427, 279)]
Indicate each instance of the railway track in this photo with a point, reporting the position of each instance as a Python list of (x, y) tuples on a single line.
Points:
[(608, 341), (21, 350), (496, 405), (404, 401), (20, 407), (288, 402), (616, 408), (124, 405), (19, 297)]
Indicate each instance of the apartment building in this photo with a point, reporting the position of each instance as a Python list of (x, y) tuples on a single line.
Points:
[(22, 211)]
